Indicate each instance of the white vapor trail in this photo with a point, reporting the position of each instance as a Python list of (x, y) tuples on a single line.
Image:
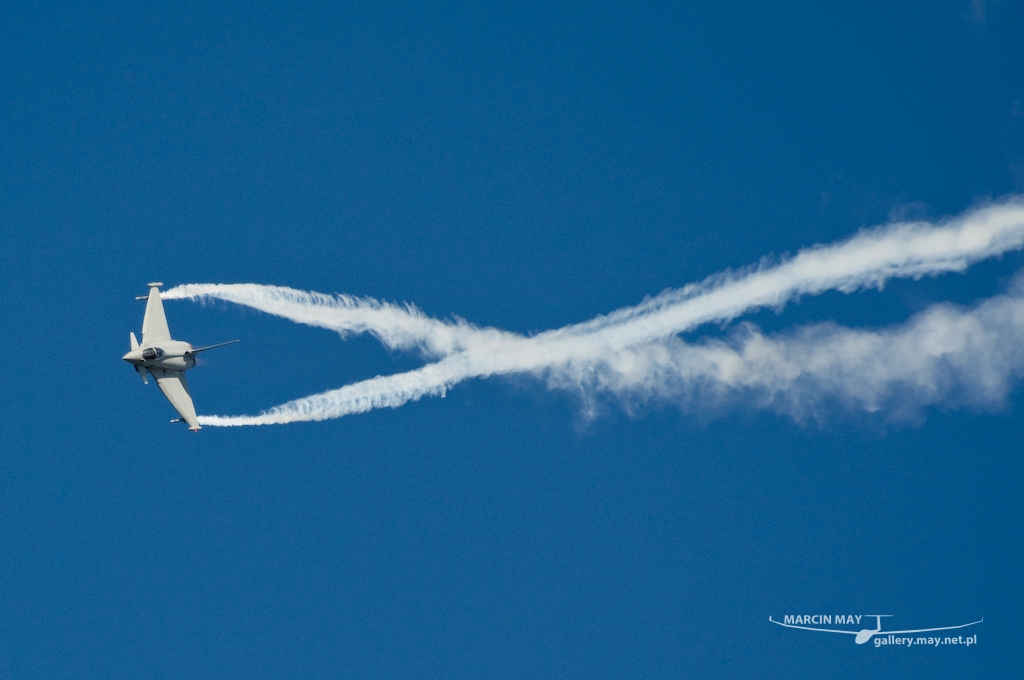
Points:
[(635, 352)]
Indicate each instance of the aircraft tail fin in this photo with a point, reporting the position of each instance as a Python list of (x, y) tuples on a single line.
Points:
[(141, 370), (154, 324)]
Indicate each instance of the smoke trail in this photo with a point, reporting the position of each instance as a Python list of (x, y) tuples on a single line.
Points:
[(942, 355), (634, 352)]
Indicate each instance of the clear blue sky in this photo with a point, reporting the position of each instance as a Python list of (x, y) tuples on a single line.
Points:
[(523, 168)]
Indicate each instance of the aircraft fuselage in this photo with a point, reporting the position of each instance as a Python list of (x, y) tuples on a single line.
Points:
[(169, 355)]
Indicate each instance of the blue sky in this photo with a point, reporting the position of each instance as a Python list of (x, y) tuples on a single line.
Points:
[(522, 168)]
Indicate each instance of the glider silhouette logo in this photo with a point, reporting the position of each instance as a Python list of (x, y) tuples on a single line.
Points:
[(882, 637)]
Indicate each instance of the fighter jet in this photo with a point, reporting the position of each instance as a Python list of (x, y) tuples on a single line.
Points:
[(165, 359)]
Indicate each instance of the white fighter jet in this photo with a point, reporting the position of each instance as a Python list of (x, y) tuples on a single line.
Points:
[(165, 359)]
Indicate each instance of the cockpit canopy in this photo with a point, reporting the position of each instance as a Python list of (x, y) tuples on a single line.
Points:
[(152, 353)]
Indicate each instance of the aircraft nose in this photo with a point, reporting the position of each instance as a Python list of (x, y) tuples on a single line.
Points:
[(133, 356)]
